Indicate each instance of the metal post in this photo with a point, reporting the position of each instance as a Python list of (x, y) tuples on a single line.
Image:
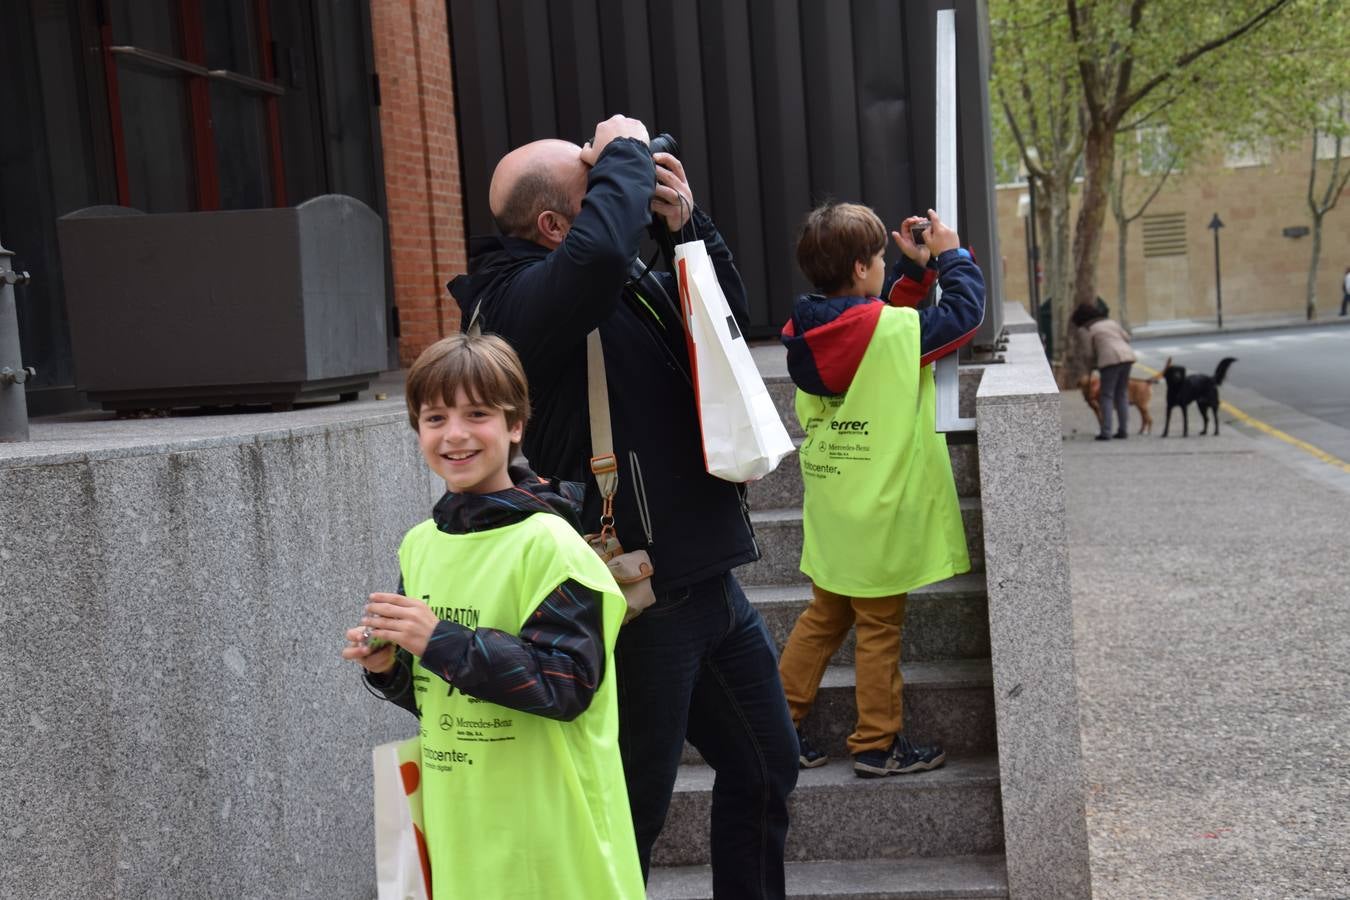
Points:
[(1034, 289), (13, 373), (946, 371), (1215, 224)]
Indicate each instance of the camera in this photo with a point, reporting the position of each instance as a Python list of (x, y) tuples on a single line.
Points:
[(664, 143), (917, 229)]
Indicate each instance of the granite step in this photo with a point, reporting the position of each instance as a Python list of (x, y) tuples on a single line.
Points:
[(946, 620), (919, 878), (952, 811), (779, 533), (948, 702), (783, 486)]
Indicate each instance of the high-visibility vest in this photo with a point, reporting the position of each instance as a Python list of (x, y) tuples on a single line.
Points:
[(880, 514), (517, 805)]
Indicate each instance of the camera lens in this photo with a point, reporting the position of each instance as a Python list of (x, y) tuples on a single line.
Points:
[(664, 143)]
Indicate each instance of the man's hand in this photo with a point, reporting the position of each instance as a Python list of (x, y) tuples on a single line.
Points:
[(608, 130), (671, 185), (403, 620)]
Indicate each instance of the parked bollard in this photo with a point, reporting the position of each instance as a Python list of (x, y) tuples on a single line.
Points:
[(13, 373)]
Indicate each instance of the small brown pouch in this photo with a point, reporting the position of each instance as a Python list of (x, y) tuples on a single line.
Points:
[(633, 572)]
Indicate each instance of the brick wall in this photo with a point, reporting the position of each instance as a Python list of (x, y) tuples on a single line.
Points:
[(421, 166)]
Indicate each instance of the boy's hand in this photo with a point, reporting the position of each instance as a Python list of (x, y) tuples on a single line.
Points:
[(904, 239), (403, 620), (377, 661), (940, 238), (671, 185)]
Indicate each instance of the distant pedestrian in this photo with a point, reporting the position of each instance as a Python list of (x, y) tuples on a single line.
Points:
[(1106, 347), (1345, 290)]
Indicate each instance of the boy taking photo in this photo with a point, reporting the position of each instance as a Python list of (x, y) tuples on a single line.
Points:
[(880, 513)]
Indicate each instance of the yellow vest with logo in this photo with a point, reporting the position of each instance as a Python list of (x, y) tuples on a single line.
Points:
[(517, 805), (880, 515)]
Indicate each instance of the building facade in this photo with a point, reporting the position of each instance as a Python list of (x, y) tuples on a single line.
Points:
[(175, 106), (1264, 247)]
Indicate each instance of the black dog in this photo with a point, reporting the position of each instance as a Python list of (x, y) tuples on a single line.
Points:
[(1203, 390)]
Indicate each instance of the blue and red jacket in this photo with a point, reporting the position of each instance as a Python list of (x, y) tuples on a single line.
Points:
[(827, 336)]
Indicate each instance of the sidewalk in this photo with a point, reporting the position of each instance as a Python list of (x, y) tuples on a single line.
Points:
[(1234, 324), (1212, 629)]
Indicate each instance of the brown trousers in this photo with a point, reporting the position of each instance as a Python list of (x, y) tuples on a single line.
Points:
[(820, 630)]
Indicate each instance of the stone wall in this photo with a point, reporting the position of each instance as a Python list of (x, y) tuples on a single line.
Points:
[(176, 719), (1031, 621)]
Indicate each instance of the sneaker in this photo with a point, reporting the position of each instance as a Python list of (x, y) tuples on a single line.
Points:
[(902, 759), (1120, 435), (1100, 437), (809, 757)]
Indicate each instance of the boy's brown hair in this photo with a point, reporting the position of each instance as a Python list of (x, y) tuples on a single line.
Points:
[(483, 365), (833, 238)]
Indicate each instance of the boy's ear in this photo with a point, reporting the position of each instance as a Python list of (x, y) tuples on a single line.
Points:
[(860, 270), (516, 432)]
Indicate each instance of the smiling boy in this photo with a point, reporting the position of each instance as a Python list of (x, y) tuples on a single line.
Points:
[(507, 658)]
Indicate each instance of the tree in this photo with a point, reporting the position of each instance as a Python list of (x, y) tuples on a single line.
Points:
[(1038, 113), (1151, 150), (1321, 204), (1127, 55), (1305, 52), (1120, 201)]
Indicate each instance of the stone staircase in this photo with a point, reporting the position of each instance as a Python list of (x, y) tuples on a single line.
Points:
[(930, 835)]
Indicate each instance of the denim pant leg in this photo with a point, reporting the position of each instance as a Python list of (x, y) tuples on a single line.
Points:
[(1115, 385), (739, 722), (657, 658)]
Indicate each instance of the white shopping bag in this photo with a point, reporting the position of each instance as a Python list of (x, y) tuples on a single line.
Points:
[(743, 436), (402, 866)]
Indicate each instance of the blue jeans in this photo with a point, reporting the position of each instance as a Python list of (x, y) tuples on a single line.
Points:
[(699, 664)]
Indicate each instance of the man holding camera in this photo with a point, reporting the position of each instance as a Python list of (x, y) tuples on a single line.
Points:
[(698, 663)]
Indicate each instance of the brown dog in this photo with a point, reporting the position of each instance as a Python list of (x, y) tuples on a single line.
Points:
[(1140, 393)]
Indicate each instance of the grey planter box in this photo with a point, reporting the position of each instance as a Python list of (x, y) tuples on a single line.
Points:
[(220, 308)]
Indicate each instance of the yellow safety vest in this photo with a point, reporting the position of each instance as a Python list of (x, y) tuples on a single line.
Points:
[(880, 515), (517, 805)]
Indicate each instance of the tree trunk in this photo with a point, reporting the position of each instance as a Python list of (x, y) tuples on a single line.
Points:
[(1059, 272), (1122, 241), (1099, 155), (1312, 266)]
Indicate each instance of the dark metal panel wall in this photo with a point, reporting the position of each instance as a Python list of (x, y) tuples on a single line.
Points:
[(777, 105), (978, 216)]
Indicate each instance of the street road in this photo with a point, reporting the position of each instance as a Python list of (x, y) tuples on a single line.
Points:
[(1294, 379)]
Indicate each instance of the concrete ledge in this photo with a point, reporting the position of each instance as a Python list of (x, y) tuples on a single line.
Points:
[(1031, 626), (1016, 319), (173, 592)]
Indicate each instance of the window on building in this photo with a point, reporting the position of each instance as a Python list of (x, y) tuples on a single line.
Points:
[(1245, 154), (1156, 150), (193, 105), (1333, 138)]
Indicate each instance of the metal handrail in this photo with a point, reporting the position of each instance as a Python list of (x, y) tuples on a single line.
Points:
[(160, 59), (247, 82)]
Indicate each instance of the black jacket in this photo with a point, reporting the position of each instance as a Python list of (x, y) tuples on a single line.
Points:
[(545, 303), (553, 666)]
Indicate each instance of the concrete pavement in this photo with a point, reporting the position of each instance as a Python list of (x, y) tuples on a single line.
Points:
[(1233, 324), (1211, 581)]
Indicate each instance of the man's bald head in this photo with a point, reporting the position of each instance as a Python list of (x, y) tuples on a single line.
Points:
[(539, 177)]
